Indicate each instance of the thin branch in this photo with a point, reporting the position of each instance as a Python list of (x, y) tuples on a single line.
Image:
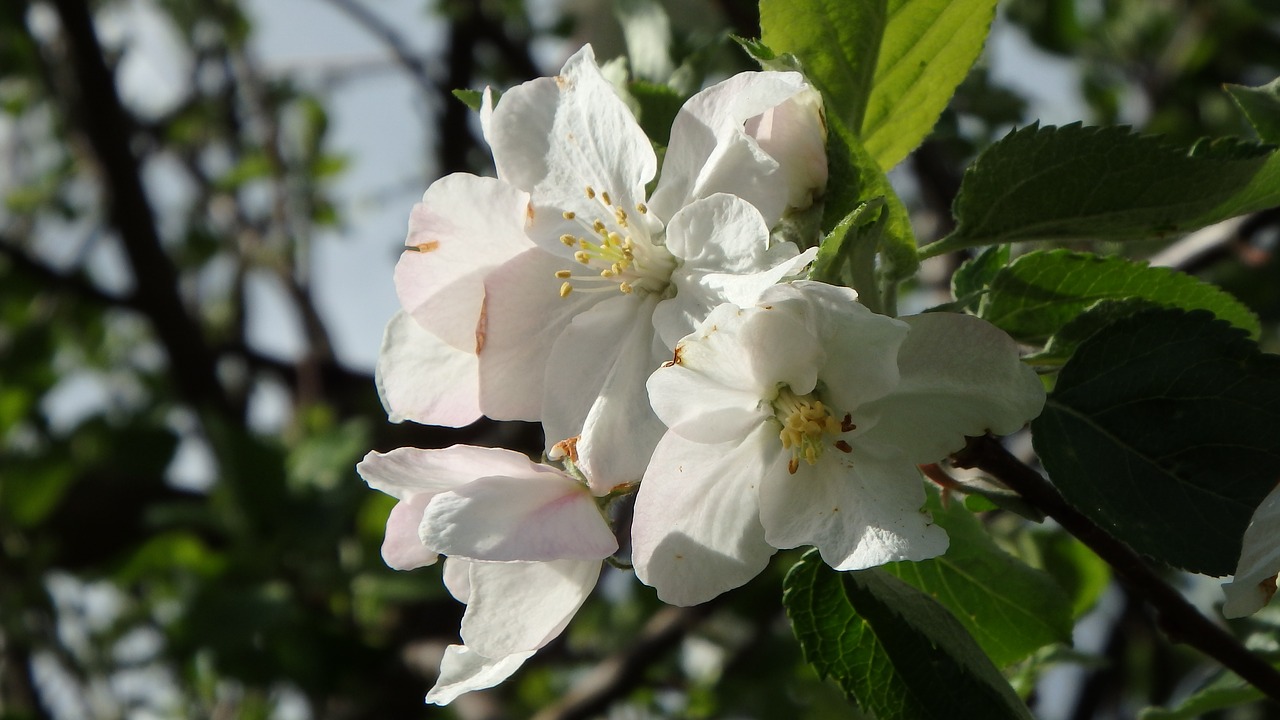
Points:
[(396, 44), (102, 119), (1179, 619), (73, 282)]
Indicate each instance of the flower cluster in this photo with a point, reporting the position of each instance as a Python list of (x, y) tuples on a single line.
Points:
[(669, 346)]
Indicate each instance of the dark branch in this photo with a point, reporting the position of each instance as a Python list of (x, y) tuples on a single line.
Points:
[(1179, 619)]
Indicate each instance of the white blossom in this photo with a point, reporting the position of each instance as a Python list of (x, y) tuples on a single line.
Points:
[(1255, 579)]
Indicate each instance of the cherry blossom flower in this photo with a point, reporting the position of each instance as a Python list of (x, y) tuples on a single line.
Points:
[(553, 291), (1255, 580), (524, 543), (801, 421)]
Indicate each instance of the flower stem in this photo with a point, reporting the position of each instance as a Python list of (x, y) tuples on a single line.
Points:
[(1180, 620)]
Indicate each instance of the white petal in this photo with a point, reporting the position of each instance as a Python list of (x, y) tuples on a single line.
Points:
[(1254, 583), (711, 152), (424, 379), (519, 607), (959, 376), (859, 510), (457, 578), (405, 472), (724, 245), (696, 531), (702, 408), (464, 227), (524, 316), (554, 137), (795, 134), (539, 515), (463, 670), (401, 547), (596, 389)]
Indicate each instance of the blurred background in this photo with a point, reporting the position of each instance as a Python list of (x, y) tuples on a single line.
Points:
[(201, 203)]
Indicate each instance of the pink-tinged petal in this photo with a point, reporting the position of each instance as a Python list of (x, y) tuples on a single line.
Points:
[(696, 531), (405, 472), (401, 547), (457, 578), (1255, 580), (463, 670), (860, 510), (537, 516), (596, 389), (464, 227), (711, 152), (519, 607), (424, 379), (795, 134), (524, 316), (554, 137), (959, 376)]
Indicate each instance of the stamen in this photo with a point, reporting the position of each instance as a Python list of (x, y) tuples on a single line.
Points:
[(582, 257), (564, 274), (591, 193), (605, 197), (565, 289), (621, 216), (568, 240), (625, 287), (569, 214), (642, 208)]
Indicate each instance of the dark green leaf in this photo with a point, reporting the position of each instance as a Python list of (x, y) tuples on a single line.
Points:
[(1010, 608), (1084, 183), (1162, 428), (928, 48), (847, 254), (658, 107), (1262, 106), (1039, 293), (895, 651), (1063, 344), (969, 282), (838, 42), (1225, 691), (1076, 569)]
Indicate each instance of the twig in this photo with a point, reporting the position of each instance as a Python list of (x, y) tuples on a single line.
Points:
[(396, 44), (1179, 619)]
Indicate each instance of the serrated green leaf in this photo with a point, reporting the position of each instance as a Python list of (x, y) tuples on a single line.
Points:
[(1010, 608), (1261, 105), (1162, 428), (1064, 343), (927, 50), (854, 178), (838, 42), (1038, 294), (899, 654), (1084, 183), (969, 282), (847, 254)]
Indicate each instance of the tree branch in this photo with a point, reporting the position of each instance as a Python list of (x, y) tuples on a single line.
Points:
[(1179, 619)]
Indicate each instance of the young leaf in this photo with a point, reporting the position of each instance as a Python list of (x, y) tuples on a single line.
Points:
[(659, 105), (855, 179), (1225, 691), (969, 282), (1262, 106), (1010, 608), (471, 98), (838, 42), (1040, 292), (847, 254), (1084, 183), (928, 48), (1162, 428), (896, 652)]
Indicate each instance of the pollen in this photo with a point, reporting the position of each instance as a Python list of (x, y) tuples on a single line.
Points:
[(591, 193), (569, 240), (569, 214), (565, 289), (642, 208), (625, 287), (605, 197), (563, 274), (807, 426)]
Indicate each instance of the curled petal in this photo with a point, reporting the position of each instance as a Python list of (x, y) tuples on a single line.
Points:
[(1255, 580), (463, 670), (519, 607)]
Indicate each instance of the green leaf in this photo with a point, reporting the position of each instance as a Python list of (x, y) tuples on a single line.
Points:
[(896, 652), (854, 178), (1077, 569), (1225, 691), (838, 42), (1064, 343), (927, 50), (1078, 183), (1010, 608), (969, 282), (658, 107), (1041, 292), (471, 98), (1162, 428), (847, 254), (1262, 106)]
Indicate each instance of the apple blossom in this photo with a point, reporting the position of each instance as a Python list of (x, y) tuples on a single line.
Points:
[(800, 421), (552, 292), (524, 543), (1255, 579)]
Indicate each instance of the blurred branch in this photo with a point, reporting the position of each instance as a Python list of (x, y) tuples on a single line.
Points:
[(396, 44), (97, 112), (74, 283), (1179, 619)]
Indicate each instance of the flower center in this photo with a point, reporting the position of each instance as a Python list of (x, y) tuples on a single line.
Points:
[(806, 424), (615, 252)]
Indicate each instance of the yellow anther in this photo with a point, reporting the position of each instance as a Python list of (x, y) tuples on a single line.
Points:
[(569, 214), (591, 193), (642, 208), (565, 289), (564, 274), (614, 239), (616, 268), (599, 227), (582, 257), (607, 272), (605, 197), (569, 240), (621, 216), (625, 287)]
